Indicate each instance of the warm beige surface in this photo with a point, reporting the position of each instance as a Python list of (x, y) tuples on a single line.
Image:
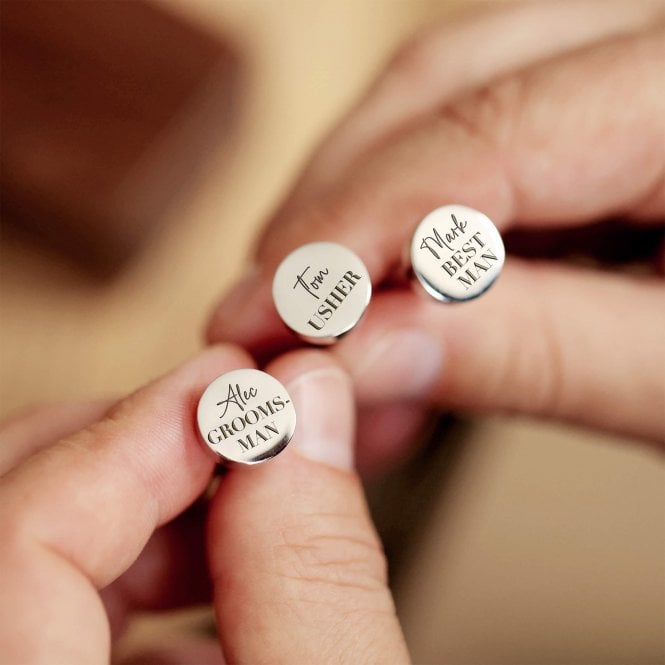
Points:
[(544, 548)]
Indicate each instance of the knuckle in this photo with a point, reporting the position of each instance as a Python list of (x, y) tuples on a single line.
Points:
[(491, 113), (538, 370), (334, 552), (552, 384)]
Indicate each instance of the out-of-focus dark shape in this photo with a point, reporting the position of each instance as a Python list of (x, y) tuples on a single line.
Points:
[(108, 109), (612, 242)]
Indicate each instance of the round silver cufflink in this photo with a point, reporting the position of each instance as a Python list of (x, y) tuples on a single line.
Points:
[(246, 417), (456, 253), (321, 290)]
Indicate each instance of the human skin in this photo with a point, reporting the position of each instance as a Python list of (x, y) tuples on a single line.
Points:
[(98, 503), (544, 116), (107, 519)]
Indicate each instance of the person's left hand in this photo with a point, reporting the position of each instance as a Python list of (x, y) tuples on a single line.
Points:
[(92, 526)]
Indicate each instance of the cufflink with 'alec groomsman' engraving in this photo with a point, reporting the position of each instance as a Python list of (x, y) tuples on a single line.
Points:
[(246, 417), (321, 291), (456, 253)]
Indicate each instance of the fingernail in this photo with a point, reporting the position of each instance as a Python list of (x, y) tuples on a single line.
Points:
[(325, 417), (405, 363)]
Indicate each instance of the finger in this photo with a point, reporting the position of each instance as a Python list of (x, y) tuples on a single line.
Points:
[(171, 572), (298, 571), (560, 342), (388, 433), (461, 55), (179, 651), (40, 427), (554, 145), (76, 515)]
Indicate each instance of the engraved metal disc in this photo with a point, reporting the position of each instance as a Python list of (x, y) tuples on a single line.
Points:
[(321, 290), (456, 253), (246, 416)]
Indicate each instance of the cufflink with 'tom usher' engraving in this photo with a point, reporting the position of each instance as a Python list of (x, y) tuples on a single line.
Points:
[(246, 417), (456, 253), (321, 291)]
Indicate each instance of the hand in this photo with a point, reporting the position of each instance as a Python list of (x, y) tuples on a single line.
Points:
[(541, 115), (97, 524)]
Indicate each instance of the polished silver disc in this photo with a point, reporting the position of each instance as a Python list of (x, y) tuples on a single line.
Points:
[(456, 253), (246, 416), (321, 290)]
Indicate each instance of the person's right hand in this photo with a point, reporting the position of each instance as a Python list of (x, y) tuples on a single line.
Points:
[(541, 115)]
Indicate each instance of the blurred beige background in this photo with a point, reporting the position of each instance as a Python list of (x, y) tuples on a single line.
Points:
[(544, 544)]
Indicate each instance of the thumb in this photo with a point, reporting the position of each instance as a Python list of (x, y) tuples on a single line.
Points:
[(298, 571)]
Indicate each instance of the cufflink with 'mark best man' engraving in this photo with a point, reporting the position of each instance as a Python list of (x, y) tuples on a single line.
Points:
[(456, 253)]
